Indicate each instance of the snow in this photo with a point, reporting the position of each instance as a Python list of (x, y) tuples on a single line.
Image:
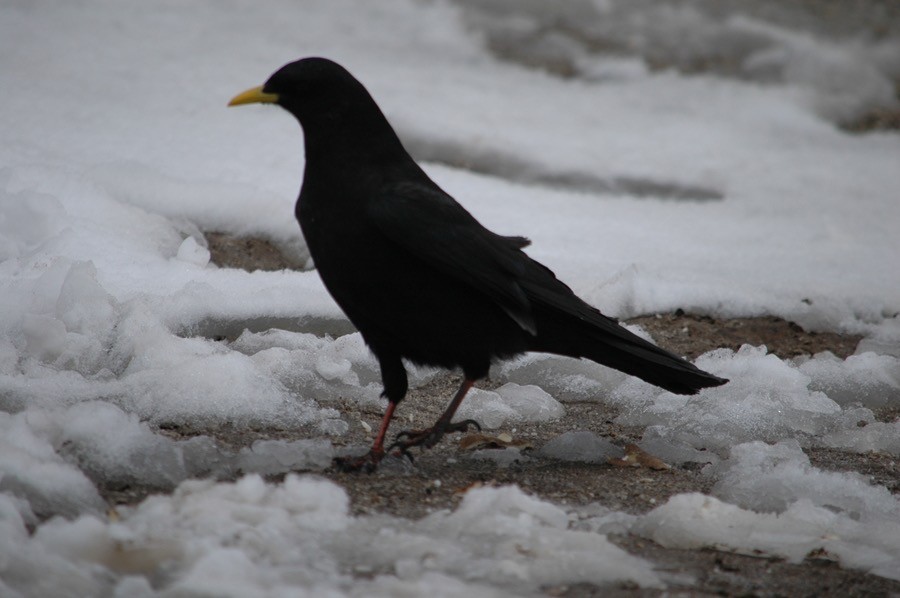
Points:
[(778, 504), (253, 538), (729, 193), (769, 478), (696, 520), (510, 403), (837, 78), (581, 446), (770, 500)]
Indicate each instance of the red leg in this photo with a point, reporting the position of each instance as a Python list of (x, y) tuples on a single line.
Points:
[(378, 445), (370, 460)]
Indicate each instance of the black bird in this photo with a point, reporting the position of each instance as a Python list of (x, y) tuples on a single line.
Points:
[(417, 274)]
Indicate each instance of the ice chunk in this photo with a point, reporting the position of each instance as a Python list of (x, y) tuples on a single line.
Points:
[(485, 407), (192, 252), (178, 380), (45, 336), (696, 520), (264, 531), (29, 567), (328, 369), (657, 442), (250, 343), (333, 426), (116, 448), (873, 436), (767, 399), (869, 379), (597, 518), (766, 477), (509, 403), (565, 378), (269, 457), (581, 446), (83, 305), (530, 402), (333, 369), (31, 470), (507, 538), (71, 322), (298, 537), (885, 340)]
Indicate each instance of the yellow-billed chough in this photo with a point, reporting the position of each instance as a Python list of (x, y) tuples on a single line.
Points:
[(417, 274)]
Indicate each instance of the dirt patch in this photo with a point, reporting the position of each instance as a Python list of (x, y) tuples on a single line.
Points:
[(247, 253), (880, 119), (692, 335)]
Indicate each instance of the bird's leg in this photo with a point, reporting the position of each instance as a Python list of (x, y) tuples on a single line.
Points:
[(431, 436), (393, 374), (370, 460)]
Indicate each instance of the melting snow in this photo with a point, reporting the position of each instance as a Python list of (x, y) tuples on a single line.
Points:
[(646, 191)]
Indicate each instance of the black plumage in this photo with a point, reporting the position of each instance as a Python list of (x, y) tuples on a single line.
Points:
[(416, 273)]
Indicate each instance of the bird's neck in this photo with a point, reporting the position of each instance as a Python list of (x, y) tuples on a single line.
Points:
[(361, 138)]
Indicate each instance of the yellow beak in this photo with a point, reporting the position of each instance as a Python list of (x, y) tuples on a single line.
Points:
[(254, 96)]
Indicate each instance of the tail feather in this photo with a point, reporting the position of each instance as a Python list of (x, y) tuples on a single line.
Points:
[(650, 363), (605, 341), (566, 325)]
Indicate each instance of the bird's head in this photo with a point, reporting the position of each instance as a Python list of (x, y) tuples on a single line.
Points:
[(308, 88), (338, 116)]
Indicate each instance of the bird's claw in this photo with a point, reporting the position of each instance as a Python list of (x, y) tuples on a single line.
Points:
[(402, 451), (428, 437), (463, 426), (367, 463)]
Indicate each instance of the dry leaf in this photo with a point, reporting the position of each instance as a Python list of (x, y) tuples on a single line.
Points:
[(635, 456), (473, 442)]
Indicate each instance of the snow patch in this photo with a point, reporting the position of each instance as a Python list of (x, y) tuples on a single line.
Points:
[(509, 404)]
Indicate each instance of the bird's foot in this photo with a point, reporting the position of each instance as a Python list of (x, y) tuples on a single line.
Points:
[(429, 437), (367, 463)]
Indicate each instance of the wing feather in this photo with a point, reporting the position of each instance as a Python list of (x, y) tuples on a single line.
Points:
[(431, 225)]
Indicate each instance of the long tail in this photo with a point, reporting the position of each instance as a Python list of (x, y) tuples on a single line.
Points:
[(633, 355), (602, 339), (566, 325)]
